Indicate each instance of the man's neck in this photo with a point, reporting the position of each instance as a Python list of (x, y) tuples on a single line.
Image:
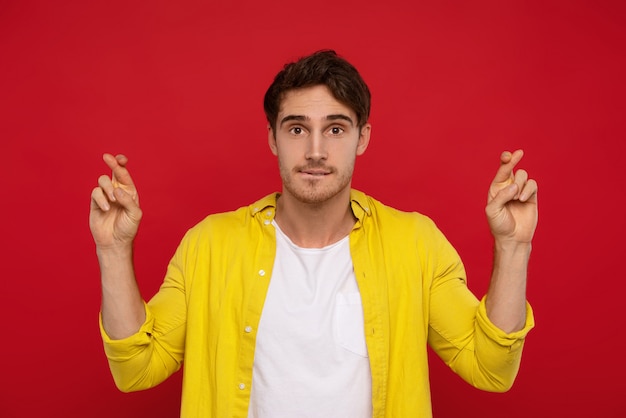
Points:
[(315, 225)]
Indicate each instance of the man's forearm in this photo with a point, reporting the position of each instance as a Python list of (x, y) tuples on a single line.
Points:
[(506, 297), (123, 311)]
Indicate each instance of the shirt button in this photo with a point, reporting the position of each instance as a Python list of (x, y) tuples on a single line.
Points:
[(261, 272), (268, 213), (248, 329), (266, 222), (242, 386)]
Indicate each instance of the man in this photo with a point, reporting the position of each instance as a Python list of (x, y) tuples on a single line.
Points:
[(317, 301)]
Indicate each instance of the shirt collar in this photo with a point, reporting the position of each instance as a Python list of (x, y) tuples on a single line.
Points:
[(359, 204), (267, 202)]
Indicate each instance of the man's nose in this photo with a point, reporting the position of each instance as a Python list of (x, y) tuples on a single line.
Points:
[(316, 147)]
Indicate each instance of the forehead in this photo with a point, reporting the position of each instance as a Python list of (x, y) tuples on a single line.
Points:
[(314, 102)]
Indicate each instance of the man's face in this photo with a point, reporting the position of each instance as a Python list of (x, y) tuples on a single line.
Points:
[(316, 141)]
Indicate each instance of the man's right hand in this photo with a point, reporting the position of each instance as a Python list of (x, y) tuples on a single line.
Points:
[(115, 214)]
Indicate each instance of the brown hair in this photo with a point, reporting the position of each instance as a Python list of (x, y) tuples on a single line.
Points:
[(324, 67)]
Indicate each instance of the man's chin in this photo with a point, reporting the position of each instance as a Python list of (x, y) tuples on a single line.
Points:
[(314, 195)]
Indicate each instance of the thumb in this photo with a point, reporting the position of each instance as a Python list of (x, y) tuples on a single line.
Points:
[(503, 196), (127, 202)]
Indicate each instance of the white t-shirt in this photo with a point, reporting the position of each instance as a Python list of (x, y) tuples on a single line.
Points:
[(311, 358)]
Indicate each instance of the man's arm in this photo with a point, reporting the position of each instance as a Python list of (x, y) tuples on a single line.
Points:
[(512, 215), (114, 220)]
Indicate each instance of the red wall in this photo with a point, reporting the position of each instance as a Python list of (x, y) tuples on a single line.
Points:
[(178, 87)]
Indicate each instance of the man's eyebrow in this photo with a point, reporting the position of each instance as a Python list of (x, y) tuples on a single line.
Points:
[(340, 116), (302, 118), (299, 118)]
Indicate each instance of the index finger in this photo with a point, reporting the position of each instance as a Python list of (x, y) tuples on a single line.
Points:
[(508, 161), (120, 174)]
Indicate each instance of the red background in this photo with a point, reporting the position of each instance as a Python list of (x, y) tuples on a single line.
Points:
[(178, 87)]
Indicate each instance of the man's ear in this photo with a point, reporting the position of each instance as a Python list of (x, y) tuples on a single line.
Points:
[(271, 139), (364, 139)]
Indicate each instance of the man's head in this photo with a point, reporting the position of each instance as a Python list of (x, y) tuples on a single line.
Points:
[(321, 68)]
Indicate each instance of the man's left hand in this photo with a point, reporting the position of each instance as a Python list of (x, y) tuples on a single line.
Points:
[(512, 202)]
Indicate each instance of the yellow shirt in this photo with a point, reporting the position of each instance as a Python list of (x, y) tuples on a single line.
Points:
[(413, 291)]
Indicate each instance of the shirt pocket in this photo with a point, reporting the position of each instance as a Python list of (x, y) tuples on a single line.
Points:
[(349, 327)]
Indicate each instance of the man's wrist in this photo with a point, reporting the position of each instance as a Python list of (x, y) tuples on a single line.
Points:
[(114, 252), (512, 246)]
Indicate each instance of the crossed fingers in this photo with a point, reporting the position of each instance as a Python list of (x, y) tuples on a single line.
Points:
[(119, 186), (507, 176)]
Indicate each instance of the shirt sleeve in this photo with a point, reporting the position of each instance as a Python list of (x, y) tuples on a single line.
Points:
[(155, 352), (461, 333)]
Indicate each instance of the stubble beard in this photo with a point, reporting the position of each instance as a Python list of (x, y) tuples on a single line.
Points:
[(315, 191)]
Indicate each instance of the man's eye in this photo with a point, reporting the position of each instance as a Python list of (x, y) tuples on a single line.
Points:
[(296, 130), (336, 130)]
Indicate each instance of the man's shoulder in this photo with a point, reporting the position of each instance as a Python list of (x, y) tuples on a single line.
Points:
[(239, 217), (400, 228), (382, 212)]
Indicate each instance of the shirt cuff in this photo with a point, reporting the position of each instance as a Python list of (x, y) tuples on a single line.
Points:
[(125, 348), (499, 336)]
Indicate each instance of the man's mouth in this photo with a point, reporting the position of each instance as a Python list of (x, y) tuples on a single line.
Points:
[(315, 172)]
